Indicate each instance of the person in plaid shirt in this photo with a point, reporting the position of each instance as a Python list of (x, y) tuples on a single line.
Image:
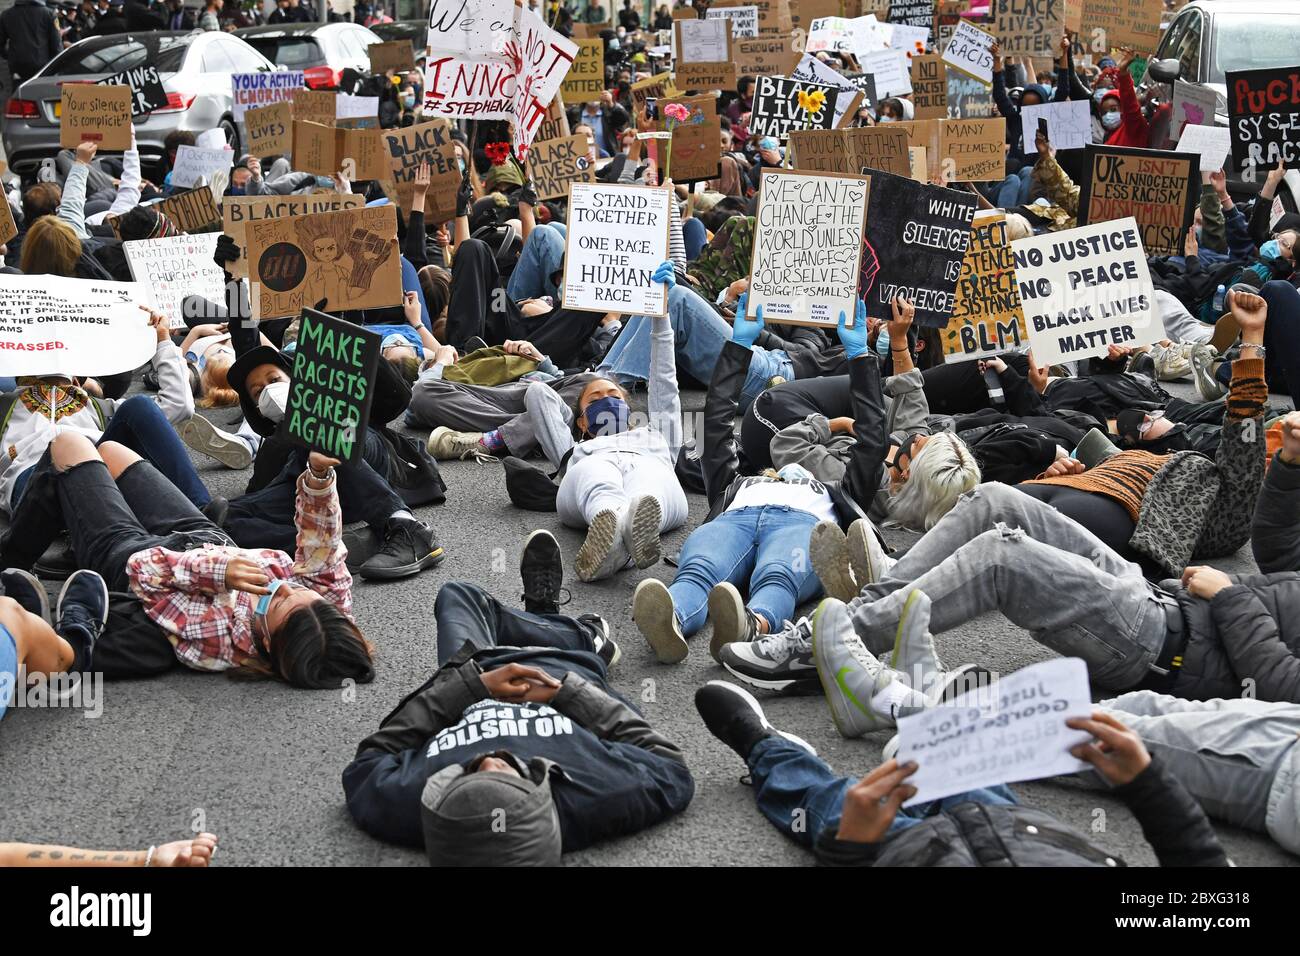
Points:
[(261, 612)]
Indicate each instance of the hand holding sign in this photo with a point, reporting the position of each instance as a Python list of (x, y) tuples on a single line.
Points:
[(744, 330), (1117, 753), (872, 803)]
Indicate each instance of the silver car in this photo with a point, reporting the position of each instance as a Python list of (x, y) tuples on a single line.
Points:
[(195, 69)]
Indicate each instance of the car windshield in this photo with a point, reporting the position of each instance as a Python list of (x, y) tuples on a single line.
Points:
[(123, 52), (293, 53), (1254, 42)]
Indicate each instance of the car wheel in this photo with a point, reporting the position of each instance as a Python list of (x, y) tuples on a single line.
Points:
[(231, 131)]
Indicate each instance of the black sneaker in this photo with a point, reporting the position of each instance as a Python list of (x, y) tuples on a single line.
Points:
[(409, 547), (473, 344), (541, 568), (781, 662), (216, 510), (80, 615), (602, 643), (30, 594), (361, 543), (733, 716), (57, 562)]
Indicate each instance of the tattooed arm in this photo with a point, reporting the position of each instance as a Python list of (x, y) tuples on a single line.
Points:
[(195, 852)]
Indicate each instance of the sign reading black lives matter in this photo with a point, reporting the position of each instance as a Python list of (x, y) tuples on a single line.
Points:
[(617, 238), (147, 93), (1085, 289), (807, 245), (917, 236), (330, 389), (777, 110)]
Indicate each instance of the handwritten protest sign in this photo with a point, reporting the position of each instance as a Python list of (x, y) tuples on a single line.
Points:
[(239, 211), (652, 87), (479, 32), (1029, 27), (744, 20), (50, 325), (555, 124), (395, 55), (428, 143), (8, 228), (696, 143), (974, 148), (586, 77), (195, 165), (969, 98), (917, 236), (347, 106), (553, 164), (812, 69), (1211, 143), (327, 150), (617, 238), (170, 268), (252, 90), (830, 35), (765, 56), (779, 107), (703, 55), (1193, 105), (348, 259), (1157, 188), (1085, 289), (314, 106), (1264, 117), (270, 129), (970, 51), (147, 93), (89, 113), (987, 319), (774, 16), (194, 210), (1009, 731), (851, 151), (916, 13), (925, 134), (930, 87), (1069, 124), (890, 69), (807, 245), (1134, 23), (331, 386)]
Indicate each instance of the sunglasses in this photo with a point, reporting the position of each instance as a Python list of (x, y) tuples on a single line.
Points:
[(906, 448)]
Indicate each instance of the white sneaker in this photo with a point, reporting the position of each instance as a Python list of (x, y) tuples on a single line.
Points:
[(602, 552), (207, 439), (445, 444), (656, 618), (1172, 362), (640, 530), (867, 555)]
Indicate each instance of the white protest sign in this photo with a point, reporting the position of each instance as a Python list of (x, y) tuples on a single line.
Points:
[(744, 20), (50, 325), (347, 106), (890, 69), (812, 70), (211, 139), (1213, 143), (1009, 731), (908, 39), (476, 32), (196, 166), (807, 243), (251, 90), (1069, 124), (617, 238), (170, 268), (703, 41), (1193, 106), (1276, 212), (829, 35), (970, 52), (1084, 289)]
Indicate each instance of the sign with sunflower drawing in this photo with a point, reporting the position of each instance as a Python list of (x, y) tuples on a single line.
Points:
[(782, 104)]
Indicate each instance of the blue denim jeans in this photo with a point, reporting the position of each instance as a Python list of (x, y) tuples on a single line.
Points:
[(695, 236), (801, 796), (1014, 190), (699, 333), (541, 257), (140, 425), (764, 546)]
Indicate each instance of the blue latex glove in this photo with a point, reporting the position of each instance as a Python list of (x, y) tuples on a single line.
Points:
[(854, 340), (745, 331), (665, 274)]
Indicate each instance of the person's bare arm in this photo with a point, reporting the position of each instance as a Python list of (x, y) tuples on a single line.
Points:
[(195, 852)]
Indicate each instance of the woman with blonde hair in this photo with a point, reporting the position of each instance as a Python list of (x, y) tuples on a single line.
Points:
[(52, 248)]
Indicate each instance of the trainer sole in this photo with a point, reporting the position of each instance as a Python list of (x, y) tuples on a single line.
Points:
[(653, 614), (830, 561), (727, 612), (430, 560), (644, 544), (201, 435), (598, 548)]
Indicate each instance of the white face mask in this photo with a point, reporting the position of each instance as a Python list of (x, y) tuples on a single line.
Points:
[(274, 400), (1111, 120)]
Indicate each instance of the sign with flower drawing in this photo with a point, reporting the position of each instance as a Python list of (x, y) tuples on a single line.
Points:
[(782, 104)]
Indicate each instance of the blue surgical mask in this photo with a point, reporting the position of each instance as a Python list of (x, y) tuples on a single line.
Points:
[(396, 338), (461, 164), (264, 601), (1271, 250), (607, 416), (885, 119), (409, 101), (795, 473), (236, 190), (1111, 120)]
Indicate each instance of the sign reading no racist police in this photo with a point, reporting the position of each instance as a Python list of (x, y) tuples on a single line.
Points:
[(330, 390)]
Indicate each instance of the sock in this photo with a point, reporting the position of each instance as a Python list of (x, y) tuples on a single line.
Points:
[(493, 441), (893, 696), (402, 515)]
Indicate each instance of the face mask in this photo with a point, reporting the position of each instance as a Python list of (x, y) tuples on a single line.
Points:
[(1111, 120), (409, 102), (392, 340), (461, 164), (236, 190), (264, 601), (274, 400), (607, 416), (1271, 250), (885, 119), (203, 359), (794, 473)]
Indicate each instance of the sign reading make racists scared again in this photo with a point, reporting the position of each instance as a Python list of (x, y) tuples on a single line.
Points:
[(1159, 189)]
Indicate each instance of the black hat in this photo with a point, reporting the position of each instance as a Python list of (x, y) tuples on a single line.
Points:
[(238, 373)]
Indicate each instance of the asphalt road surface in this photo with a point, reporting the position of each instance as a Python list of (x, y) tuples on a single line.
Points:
[(259, 764)]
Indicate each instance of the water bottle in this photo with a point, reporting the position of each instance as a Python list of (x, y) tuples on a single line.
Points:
[(1220, 296)]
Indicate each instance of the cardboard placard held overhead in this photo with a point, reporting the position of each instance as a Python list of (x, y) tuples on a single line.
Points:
[(889, 68), (395, 55), (314, 106), (477, 36), (8, 228), (929, 87), (1264, 117), (1157, 188), (1085, 289), (704, 57), (773, 15), (553, 164), (429, 143), (1134, 23), (970, 51), (697, 141), (765, 56), (1211, 143), (239, 211), (194, 165), (1193, 106), (652, 87), (555, 124), (586, 77), (270, 130), (744, 20), (917, 236), (147, 93), (347, 259), (253, 90), (807, 246), (327, 150), (969, 98), (916, 13), (987, 319), (975, 149), (777, 108), (331, 387), (1029, 27), (190, 211), (814, 70), (1069, 124), (851, 150), (617, 238), (173, 267), (89, 113)]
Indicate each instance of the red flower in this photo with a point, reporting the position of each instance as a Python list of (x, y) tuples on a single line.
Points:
[(497, 152)]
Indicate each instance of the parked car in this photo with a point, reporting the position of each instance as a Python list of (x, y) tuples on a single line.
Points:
[(195, 69), (417, 31), (321, 50)]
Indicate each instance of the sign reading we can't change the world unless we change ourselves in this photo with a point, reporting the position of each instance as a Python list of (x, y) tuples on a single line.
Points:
[(617, 238)]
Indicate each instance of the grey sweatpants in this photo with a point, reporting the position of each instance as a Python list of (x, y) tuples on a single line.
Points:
[(1180, 325)]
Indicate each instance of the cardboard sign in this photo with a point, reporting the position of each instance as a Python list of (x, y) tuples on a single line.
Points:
[(777, 107), (1211, 143), (830, 35), (765, 56), (925, 134), (1029, 27), (969, 98), (703, 55), (1264, 117), (773, 15), (8, 228), (652, 87), (50, 325), (89, 113), (912, 41), (327, 150), (239, 211), (1134, 23), (553, 164), (889, 67), (195, 165), (975, 149), (173, 267), (147, 93), (555, 124), (1085, 289), (806, 11), (744, 20), (1069, 124), (696, 141), (962, 746), (314, 106), (917, 236), (970, 51), (347, 259), (586, 78), (270, 129), (1193, 106), (477, 33), (851, 150), (395, 55), (987, 319), (617, 238), (930, 87), (192, 211), (918, 158), (331, 387), (807, 246), (253, 90), (1158, 189), (430, 143), (814, 70)]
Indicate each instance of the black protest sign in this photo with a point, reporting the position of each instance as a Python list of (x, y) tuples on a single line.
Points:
[(917, 236), (914, 13), (1264, 117), (782, 104), (331, 388), (1157, 188), (147, 93)]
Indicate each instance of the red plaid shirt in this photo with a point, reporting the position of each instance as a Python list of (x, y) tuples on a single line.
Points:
[(210, 626)]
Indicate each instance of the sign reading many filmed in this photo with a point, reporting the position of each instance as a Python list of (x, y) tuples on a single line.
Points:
[(617, 238), (782, 104), (986, 318), (1157, 188)]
